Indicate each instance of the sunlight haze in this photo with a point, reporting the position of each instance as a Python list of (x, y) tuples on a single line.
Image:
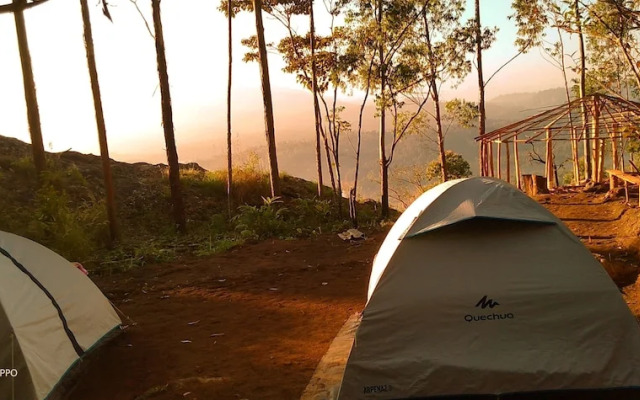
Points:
[(195, 38)]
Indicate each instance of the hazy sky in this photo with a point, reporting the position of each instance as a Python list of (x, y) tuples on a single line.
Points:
[(195, 35)]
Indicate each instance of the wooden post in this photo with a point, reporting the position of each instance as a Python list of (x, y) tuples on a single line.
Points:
[(490, 158), (516, 160), (508, 161), (575, 157), (596, 142), (33, 114), (549, 160), (615, 162), (480, 157), (499, 157)]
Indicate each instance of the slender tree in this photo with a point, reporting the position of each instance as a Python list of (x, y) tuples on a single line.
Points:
[(268, 103), (229, 78), (33, 114), (314, 90), (482, 115), (581, 87), (445, 58), (167, 122), (399, 69), (100, 123)]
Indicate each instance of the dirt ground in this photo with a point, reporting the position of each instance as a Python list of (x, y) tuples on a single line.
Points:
[(254, 322)]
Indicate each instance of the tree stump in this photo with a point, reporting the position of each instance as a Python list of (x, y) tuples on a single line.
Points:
[(534, 184)]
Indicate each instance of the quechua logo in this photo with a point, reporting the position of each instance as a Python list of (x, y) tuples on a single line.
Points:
[(486, 302)]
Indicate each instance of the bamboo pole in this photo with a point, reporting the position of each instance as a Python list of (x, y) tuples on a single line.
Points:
[(615, 162), (481, 157), (508, 161), (549, 161), (516, 159), (595, 133), (499, 157), (575, 156), (490, 158)]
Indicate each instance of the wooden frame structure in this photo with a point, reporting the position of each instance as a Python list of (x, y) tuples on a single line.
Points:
[(608, 119)]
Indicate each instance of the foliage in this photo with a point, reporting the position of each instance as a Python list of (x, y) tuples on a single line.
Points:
[(462, 112), (457, 167), (412, 181)]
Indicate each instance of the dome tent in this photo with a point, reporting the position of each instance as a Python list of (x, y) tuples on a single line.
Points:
[(479, 292), (51, 315)]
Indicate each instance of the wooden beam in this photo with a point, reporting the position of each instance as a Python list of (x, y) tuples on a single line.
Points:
[(499, 157), (615, 157), (516, 159), (595, 133), (490, 159), (508, 161), (22, 5), (549, 161), (575, 156)]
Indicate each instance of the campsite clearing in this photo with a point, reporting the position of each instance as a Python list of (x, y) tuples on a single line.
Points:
[(254, 322)]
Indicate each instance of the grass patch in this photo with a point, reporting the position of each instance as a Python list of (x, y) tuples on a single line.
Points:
[(64, 209)]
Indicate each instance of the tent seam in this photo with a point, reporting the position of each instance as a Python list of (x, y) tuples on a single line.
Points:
[(74, 342)]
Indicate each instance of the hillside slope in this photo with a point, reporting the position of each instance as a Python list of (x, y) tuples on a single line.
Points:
[(65, 210)]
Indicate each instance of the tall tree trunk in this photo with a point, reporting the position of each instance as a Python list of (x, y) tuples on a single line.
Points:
[(100, 124), (574, 142), (33, 115), (353, 193), (167, 122), (274, 174), (327, 149), (443, 154), (436, 98), (384, 166), (314, 90), (481, 109), (583, 71), (229, 82)]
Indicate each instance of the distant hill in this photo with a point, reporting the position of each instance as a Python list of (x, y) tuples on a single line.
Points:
[(296, 154)]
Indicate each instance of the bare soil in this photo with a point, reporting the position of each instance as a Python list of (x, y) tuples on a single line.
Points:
[(254, 322)]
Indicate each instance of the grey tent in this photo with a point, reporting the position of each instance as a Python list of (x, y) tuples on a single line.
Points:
[(479, 292), (51, 315)]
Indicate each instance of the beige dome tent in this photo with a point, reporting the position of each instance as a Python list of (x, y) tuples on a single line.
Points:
[(479, 291), (51, 314)]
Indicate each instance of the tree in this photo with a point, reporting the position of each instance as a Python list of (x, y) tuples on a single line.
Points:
[(482, 115), (314, 91), (412, 181), (304, 56), (530, 21), (583, 70), (33, 114), (398, 70), (167, 122), (229, 153), (100, 123), (444, 56), (274, 175), (613, 67), (458, 167)]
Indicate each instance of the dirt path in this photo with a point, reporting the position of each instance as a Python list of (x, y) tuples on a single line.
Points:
[(258, 319)]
